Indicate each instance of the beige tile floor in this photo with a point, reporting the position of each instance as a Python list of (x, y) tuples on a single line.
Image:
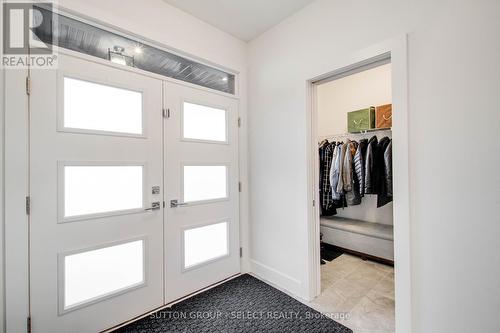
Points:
[(358, 294)]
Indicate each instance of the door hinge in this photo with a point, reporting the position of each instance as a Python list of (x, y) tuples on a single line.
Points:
[(28, 324), (166, 113), (28, 85), (28, 205), (241, 252), (163, 204), (239, 121), (314, 203), (240, 186)]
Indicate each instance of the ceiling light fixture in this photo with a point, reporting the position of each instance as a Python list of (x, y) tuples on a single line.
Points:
[(118, 57)]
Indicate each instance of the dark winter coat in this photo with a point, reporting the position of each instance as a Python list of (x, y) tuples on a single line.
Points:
[(359, 165), (381, 171), (371, 151), (388, 168)]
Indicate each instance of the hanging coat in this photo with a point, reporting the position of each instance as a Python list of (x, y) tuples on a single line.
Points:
[(388, 169), (347, 169), (334, 173), (359, 165), (370, 165), (327, 207), (380, 183), (340, 185), (321, 154), (351, 185)]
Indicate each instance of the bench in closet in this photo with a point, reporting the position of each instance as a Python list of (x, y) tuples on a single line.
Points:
[(373, 239)]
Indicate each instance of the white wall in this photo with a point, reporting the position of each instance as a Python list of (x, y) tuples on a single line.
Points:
[(454, 77), (335, 99), (358, 91), (158, 21)]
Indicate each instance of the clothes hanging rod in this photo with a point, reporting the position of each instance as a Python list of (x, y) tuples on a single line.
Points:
[(362, 134)]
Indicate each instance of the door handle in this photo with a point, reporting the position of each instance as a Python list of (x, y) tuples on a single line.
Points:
[(175, 203), (154, 206)]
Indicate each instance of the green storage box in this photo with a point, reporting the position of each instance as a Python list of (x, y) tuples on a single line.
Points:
[(361, 120)]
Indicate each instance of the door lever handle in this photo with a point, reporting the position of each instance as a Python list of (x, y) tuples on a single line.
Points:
[(175, 203), (154, 206)]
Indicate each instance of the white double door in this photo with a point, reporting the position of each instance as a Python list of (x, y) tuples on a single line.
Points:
[(131, 207)]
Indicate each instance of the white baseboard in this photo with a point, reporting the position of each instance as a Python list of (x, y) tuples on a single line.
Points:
[(277, 279)]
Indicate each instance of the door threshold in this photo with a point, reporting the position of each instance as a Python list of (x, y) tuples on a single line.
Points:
[(170, 304)]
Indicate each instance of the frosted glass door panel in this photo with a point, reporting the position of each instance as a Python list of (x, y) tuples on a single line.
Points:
[(98, 273), (97, 107), (96, 249), (204, 182), (205, 243), (203, 123), (94, 189)]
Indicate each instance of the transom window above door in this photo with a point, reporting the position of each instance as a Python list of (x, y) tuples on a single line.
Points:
[(81, 35)]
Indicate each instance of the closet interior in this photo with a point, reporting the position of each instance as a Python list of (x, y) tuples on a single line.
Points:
[(355, 164), (355, 196)]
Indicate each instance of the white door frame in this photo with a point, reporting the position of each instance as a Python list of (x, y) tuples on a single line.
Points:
[(16, 188), (396, 50), (16, 169)]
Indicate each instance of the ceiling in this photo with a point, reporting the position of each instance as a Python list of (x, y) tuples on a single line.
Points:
[(244, 19)]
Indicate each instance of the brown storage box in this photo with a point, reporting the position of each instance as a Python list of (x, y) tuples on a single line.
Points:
[(383, 116)]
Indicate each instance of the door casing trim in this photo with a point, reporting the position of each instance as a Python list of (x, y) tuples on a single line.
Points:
[(397, 50)]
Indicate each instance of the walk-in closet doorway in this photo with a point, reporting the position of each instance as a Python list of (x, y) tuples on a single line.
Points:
[(393, 52)]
